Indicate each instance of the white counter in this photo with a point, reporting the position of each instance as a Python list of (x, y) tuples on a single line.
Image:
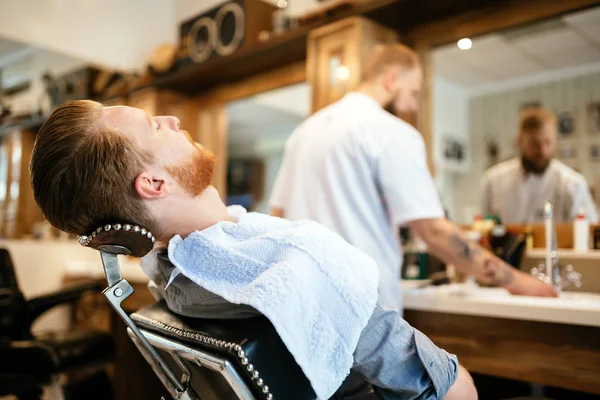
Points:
[(573, 308)]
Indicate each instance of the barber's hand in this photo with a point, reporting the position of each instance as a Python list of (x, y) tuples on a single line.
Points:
[(528, 285)]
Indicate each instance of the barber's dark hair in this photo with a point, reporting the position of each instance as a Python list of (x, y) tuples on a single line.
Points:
[(83, 174), (534, 118)]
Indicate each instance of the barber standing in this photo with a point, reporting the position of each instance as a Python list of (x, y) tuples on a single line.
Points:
[(362, 172)]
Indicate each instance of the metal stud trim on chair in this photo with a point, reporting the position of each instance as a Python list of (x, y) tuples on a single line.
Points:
[(86, 240), (249, 368)]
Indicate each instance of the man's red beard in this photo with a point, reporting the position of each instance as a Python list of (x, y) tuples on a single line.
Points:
[(195, 175)]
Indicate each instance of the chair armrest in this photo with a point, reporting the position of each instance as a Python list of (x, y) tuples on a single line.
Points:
[(39, 305)]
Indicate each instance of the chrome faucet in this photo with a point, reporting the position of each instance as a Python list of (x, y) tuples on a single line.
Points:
[(550, 271)]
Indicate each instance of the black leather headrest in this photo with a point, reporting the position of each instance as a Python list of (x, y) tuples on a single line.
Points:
[(136, 240)]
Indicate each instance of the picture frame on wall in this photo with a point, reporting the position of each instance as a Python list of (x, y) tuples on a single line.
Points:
[(454, 153), (567, 153), (566, 124), (593, 117)]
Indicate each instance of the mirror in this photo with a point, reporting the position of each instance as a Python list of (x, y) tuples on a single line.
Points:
[(481, 88), (258, 128)]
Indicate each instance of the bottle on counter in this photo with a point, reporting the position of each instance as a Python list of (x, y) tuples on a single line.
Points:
[(528, 238), (581, 232), (483, 224)]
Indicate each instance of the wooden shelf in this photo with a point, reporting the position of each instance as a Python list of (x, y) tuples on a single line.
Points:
[(277, 51)]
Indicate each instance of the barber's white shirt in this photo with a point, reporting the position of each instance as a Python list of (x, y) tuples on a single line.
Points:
[(518, 197), (361, 172)]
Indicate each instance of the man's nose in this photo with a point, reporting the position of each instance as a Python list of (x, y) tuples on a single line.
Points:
[(174, 123), (171, 121)]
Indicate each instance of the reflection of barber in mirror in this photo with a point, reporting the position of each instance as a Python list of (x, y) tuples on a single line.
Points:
[(517, 189)]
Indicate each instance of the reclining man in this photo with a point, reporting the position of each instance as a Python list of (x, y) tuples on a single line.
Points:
[(93, 165)]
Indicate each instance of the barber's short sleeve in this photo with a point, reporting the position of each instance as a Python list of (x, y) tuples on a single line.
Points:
[(401, 362), (406, 184)]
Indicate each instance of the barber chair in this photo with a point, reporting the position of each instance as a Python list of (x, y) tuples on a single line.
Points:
[(201, 358), (30, 363)]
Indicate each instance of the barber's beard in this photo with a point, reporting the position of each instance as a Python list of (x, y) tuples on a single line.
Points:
[(535, 168), (406, 116), (195, 175)]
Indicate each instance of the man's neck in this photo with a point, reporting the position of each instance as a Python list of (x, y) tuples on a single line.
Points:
[(374, 92), (194, 214)]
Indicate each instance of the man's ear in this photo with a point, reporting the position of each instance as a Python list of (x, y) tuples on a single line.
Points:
[(389, 78), (150, 186)]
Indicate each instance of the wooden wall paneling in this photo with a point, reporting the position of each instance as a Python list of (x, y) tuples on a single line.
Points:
[(424, 122), (4, 178), (211, 132), (27, 213), (12, 185)]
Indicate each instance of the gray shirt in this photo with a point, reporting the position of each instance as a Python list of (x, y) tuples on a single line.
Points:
[(398, 360)]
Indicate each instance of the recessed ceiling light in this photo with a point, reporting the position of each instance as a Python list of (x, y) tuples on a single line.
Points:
[(464, 44)]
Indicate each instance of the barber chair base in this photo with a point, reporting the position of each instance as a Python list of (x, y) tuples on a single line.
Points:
[(242, 359)]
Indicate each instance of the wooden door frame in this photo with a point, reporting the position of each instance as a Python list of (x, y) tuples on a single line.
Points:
[(425, 38)]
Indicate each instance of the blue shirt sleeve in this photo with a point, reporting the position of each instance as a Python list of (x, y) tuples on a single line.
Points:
[(401, 362)]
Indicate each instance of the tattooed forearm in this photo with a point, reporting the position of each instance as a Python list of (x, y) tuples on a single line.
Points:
[(465, 249), (497, 274)]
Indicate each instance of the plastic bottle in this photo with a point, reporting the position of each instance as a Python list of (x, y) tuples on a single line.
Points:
[(581, 232)]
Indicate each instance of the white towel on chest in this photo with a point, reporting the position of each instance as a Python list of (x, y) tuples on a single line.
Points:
[(317, 290)]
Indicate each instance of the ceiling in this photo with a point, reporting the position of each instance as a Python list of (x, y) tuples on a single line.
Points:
[(553, 45), (269, 117)]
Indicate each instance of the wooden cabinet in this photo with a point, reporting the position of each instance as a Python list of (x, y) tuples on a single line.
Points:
[(336, 55)]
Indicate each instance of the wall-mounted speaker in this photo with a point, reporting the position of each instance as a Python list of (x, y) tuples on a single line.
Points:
[(223, 30)]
